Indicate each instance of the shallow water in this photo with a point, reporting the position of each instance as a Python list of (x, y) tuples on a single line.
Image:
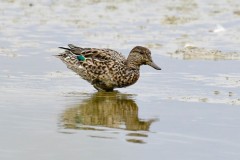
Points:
[(188, 110)]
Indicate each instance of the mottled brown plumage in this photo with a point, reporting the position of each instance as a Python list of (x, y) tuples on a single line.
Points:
[(106, 69)]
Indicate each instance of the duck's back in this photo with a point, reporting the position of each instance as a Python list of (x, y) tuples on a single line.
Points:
[(96, 54)]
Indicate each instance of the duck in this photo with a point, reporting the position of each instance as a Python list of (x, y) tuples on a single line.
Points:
[(106, 69)]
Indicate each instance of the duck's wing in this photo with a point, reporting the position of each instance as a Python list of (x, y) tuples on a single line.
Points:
[(95, 54)]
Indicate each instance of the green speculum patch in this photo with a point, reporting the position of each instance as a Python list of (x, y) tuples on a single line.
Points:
[(81, 58)]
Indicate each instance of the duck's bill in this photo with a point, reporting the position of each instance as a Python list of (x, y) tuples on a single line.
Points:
[(152, 64)]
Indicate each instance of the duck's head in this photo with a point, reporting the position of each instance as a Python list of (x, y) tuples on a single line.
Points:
[(142, 56)]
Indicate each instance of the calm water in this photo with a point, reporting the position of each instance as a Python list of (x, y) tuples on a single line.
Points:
[(188, 110)]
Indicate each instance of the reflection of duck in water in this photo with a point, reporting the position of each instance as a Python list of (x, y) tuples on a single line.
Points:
[(106, 109)]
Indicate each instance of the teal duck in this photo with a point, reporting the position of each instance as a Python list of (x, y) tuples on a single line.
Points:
[(107, 69)]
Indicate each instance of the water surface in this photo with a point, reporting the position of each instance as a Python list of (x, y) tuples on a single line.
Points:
[(188, 110)]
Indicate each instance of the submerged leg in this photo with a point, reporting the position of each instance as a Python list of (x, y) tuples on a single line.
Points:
[(101, 86)]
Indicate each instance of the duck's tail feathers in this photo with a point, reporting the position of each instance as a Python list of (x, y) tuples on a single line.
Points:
[(71, 46), (64, 48)]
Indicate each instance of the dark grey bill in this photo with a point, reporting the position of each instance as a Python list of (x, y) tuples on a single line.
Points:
[(152, 64)]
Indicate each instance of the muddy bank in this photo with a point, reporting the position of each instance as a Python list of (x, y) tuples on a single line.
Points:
[(196, 53)]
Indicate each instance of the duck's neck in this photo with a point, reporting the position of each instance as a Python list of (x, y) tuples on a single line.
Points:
[(133, 61)]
